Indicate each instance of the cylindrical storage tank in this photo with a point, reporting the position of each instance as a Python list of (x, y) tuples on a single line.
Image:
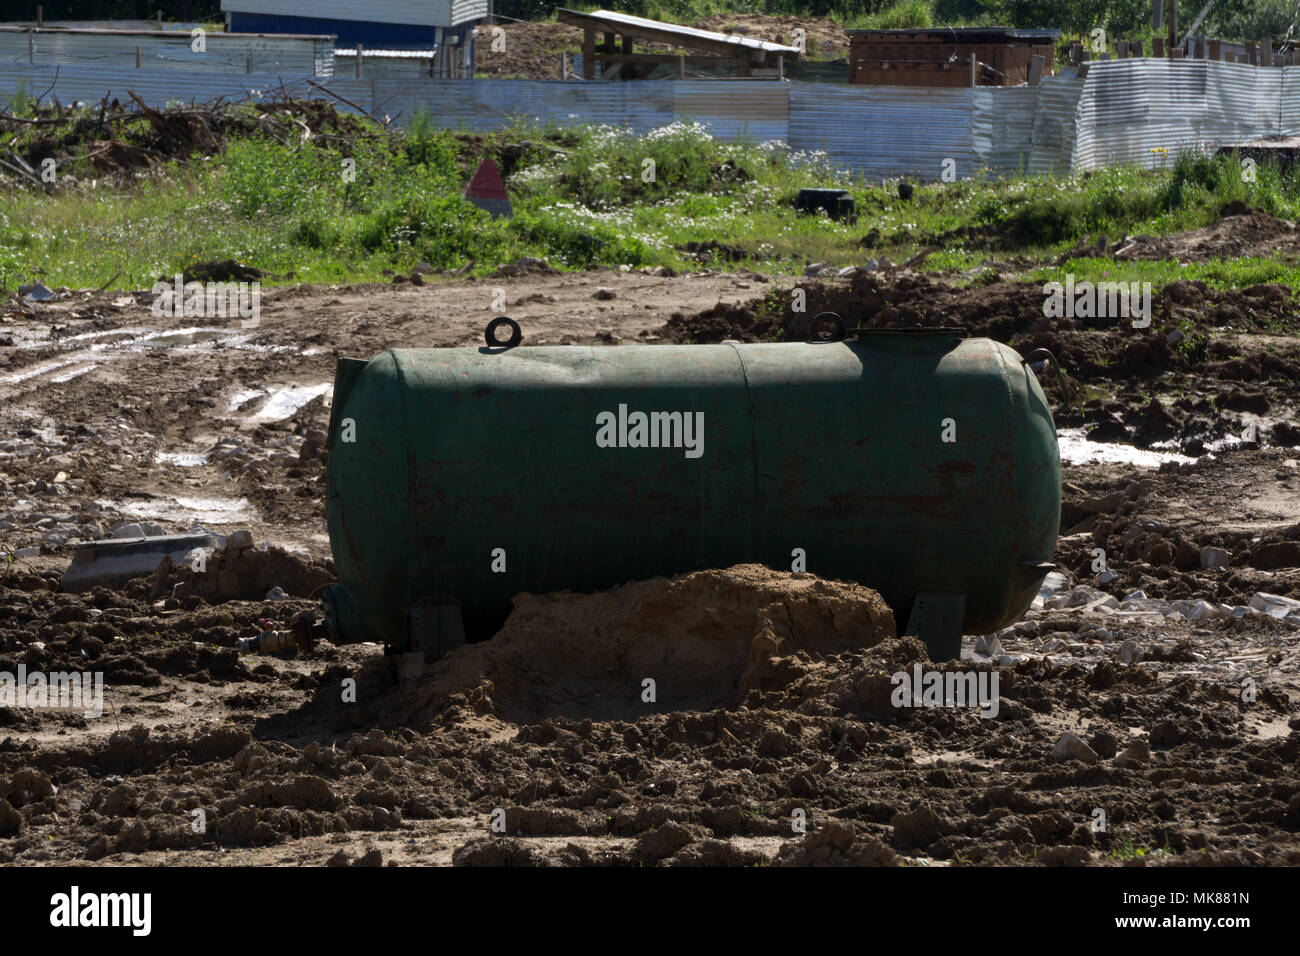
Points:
[(906, 461)]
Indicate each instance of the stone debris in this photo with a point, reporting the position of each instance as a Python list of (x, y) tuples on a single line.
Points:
[(1137, 753), (1070, 747), (1214, 558)]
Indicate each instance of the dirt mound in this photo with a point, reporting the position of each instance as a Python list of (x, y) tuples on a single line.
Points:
[(112, 140), (1245, 233), (703, 639), (998, 309), (243, 574)]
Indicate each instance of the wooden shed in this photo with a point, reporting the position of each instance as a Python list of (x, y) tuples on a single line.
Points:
[(942, 57)]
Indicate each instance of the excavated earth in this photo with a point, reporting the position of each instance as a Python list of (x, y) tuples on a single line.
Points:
[(728, 717)]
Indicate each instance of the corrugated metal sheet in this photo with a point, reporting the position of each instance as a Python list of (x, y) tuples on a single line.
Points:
[(1002, 127), (225, 52), (685, 34), (885, 131), (385, 54), (1054, 129), (156, 87), (361, 92), (483, 106), (424, 13), (1146, 111), (757, 110), (1289, 108), (462, 11)]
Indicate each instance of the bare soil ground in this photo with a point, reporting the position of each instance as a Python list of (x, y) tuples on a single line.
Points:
[(773, 689)]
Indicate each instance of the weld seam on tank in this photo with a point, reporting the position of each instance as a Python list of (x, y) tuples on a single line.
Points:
[(1011, 423), (411, 471), (757, 532)]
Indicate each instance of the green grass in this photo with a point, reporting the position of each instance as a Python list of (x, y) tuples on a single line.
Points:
[(1127, 850), (1230, 274), (596, 195)]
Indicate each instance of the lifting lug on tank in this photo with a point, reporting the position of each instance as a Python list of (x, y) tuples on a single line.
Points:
[(502, 321)]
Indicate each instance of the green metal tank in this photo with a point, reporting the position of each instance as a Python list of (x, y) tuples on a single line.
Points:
[(920, 464)]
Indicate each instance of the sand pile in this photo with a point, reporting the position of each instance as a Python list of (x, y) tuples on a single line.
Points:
[(704, 639)]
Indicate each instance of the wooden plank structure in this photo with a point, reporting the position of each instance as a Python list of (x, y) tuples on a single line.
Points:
[(1000, 56), (619, 32)]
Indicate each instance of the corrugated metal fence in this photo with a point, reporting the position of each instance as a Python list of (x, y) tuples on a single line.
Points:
[(1140, 111), (114, 54), (89, 84), (1146, 111)]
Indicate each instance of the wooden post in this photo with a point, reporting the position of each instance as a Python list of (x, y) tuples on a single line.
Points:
[(974, 70), (681, 66), (1035, 69), (1265, 52), (780, 66), (1200, 47), (609, 43), (360, 51), (1173, 27), (1121, 49), (160, 20), (1216, 49), (40, 16), (1158, 47), (1135, 48), (139, 57), (1250, 53), (589, 54)]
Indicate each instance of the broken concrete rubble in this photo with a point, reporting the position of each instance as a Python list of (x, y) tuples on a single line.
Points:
[(113, 562)]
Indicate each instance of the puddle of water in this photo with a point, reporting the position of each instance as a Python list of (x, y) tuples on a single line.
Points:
[(102, 346), (41, 368), (244, 396), (1078, 450), (126, 333), (181, 459), (284, 400), (76, 372), (180, 338), (181, 508)]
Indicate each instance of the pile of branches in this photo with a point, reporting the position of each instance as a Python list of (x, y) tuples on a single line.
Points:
[(131, 137)]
